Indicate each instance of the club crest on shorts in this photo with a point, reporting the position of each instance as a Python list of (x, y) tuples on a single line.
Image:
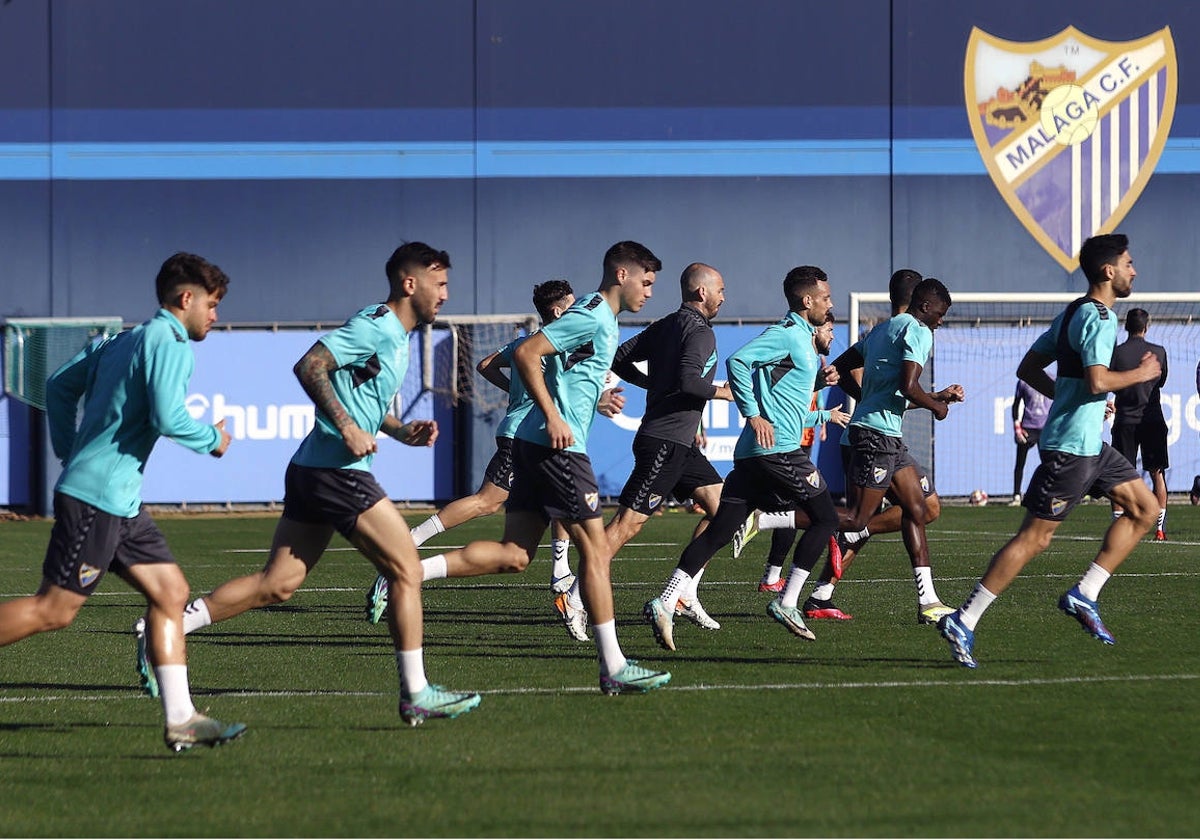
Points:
[(925, 484), (592, 500), (1070, 127), (814, 478), (655, 500), (1057, 506), (878, 474), (87, 574)]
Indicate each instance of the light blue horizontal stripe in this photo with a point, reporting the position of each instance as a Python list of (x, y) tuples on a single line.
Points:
[(683, 159), (24, 161), (455, 160), (277, 161), (937, 157), (281, 161)]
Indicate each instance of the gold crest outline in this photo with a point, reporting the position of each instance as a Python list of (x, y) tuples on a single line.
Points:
[(1070, 262)]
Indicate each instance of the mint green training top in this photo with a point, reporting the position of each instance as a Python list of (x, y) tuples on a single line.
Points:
[(133, 387)]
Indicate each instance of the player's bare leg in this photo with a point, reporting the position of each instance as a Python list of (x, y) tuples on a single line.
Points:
[(51, 608), (617, 674), (166, 590), (382, 535), (295, 549), (489, 499), (523, 530)]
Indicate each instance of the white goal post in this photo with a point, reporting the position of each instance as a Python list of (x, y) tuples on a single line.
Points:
[(36, 347), (448, 365)]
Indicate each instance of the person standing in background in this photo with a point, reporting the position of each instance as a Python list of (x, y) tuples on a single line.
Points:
[(1138, 424), (1029, 411)]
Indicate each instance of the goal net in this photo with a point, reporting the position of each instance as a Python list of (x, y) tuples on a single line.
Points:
[(456, 344), (979, 346), (35, 347)]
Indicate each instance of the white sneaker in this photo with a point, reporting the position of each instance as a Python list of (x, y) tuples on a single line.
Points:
[(694, 611), (562, 584), (575, 618), (1016, 500), (745, 532), (201, 730)]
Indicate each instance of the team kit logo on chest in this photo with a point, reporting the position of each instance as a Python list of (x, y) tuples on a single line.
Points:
[(1070, 127)]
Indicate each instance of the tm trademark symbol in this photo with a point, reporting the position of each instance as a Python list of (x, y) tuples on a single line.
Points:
[(1072, 49)]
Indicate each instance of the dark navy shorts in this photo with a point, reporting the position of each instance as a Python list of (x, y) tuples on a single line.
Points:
[(1149, 437), (923, 476), (663, 468), (780, 481), (875, 458), (500, 469), (1062, 480), (329, 496), (86, 542), (554, 483)]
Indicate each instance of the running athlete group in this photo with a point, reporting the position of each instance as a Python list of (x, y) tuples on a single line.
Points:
[(133, 387)]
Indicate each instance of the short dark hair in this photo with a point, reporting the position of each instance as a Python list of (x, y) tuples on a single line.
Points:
[(412, 255), (691, 280), (900, 287), (1136, 321), (800, 281), (630, 253), (545, 295), (1099, 251), (928, 289), (183, 269)]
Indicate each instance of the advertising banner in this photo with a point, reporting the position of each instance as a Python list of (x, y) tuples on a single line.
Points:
[(974, 446), (246, 379)]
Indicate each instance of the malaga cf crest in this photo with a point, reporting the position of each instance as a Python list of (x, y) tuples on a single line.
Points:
[(1070, 128)]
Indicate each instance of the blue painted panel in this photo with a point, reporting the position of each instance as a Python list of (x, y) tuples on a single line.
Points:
[(974, 445)]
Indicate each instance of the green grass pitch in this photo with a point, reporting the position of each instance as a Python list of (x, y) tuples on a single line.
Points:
[(871, 730)]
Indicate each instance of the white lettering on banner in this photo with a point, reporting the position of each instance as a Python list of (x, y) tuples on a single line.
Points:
[(1170, 409), (252, 422), (720, 447), (1002, 415)]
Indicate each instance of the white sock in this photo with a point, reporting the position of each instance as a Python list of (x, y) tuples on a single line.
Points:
[(176, 696), (771, 573), (574, 595), (562, 567), (974, 607), (926, 594), (795, 582), (434, 568), (611, 658), (1092, 582), (771, 521), (1162, 519), (676, 585), (411, 666), (690, 594), (428, 528), (824, 592), (195, 616), (851, 537)]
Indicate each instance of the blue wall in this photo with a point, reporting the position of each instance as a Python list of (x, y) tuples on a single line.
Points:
[(296, 142)]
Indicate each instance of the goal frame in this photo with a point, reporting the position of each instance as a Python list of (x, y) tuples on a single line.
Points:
[(15, 332), (857, 299)]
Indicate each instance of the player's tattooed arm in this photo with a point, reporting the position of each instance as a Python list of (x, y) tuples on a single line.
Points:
[(313, 371)]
